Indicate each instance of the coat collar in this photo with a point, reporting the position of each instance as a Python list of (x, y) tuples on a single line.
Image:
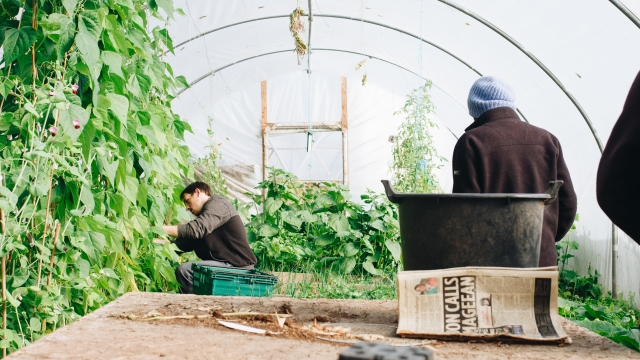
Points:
[(501, 113)]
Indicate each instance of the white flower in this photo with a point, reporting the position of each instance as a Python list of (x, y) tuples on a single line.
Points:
[(55, 166)]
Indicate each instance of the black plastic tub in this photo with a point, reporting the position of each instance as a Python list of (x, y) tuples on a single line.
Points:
[(441, 231)]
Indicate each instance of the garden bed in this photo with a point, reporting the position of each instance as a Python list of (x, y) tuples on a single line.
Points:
[(111, 332)]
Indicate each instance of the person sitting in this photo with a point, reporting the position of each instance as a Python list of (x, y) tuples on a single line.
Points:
[(499, 153), (619, 171), (217, 234)]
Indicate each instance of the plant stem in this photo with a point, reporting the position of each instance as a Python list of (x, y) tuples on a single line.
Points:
[(4, 286), (46, 227), (34, 70), (53, 249)]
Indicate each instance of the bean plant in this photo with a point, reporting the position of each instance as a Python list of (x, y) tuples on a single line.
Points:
[(414, 153), (91, 158), (299, 225)]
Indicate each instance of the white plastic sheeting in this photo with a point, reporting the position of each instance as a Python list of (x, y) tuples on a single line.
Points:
[(590, 47)]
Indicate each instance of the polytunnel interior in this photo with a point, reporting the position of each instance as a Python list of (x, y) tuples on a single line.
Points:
[(571, 64)]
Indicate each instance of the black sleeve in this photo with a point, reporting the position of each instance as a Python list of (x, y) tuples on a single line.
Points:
[(618, 184)]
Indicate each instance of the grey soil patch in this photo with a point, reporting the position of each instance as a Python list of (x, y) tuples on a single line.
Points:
[(108, 334)]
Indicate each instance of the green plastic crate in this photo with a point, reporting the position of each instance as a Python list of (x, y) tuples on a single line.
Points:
[(221, 281)]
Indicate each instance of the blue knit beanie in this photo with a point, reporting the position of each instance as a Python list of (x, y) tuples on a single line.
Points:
[(488, 93)]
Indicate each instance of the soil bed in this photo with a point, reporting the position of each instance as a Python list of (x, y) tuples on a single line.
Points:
[(119, 331)]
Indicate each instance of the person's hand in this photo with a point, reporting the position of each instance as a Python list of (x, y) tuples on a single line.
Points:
[(170, 230)]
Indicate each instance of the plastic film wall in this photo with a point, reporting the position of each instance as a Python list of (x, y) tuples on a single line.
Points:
[(570, 62)]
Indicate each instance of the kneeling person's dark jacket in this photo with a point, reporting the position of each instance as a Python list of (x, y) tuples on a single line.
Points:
[(499, 153), (217, 234)]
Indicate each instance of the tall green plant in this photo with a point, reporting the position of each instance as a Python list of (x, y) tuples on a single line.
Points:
[(414, 154), (89, 145)]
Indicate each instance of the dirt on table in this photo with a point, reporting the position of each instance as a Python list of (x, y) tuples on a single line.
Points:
[(124, 329)]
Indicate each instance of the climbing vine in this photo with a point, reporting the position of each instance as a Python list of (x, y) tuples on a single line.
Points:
[(90, 158), (414, 153)]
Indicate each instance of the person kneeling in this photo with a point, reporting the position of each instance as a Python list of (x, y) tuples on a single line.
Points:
[(217, 234)]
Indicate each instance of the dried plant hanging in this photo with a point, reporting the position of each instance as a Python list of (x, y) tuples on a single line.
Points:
[(364, 77), (296, 26)]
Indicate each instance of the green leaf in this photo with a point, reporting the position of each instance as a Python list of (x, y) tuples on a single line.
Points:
[(378, 225), (20, 277), (272, 205), (324, 240), (306, 216), (75, 112), (325, 200), (35, 324), (167, 6), (108, 169), (339, 222), (11, 297), (70, 6), (86, 197), (17, 42), (119, 106), (113, 61), (88, 24), (350, 250), (89, 50), (9, 195), (267, 230), (67, 37), (83, 267), (291, 219), (148, 133), (368, 265), (394, 248), (6, 120), (129, 189), (347, 265), (27, 106), (596, 312)]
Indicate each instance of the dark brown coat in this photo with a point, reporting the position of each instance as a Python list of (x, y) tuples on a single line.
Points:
[(499, 153), (217, 234), (618, 187)]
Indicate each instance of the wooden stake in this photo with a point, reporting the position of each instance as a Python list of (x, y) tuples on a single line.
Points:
[(265, 121), (345, 134)]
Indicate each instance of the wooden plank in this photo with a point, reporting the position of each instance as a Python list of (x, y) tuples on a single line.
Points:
[(264, 130), (303, 127), (345, 134)]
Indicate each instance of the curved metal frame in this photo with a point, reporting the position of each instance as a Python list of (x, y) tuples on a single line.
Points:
[(469, 13), (535, 60), (335, 17), (625, 10), (322, 49), (327, 49)]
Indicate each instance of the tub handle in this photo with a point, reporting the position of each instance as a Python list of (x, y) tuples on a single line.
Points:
[(391, 195), (552, 190)]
